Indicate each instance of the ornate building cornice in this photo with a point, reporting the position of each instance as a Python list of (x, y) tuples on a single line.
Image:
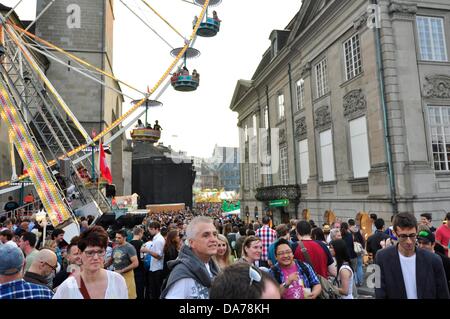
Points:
[(361, 21), (437, 86), (354, 103), (291, 192), (322, 118), (300, 128), (403, 9), (306, 70)]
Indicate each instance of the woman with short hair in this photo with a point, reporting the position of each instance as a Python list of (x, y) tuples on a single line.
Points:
[(93, 281)]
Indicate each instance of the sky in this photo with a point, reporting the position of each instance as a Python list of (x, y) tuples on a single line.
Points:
[(193, 122)]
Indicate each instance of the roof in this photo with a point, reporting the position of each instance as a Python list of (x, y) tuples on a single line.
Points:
[(143, 150)]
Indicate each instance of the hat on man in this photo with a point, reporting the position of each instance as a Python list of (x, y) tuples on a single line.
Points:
[(11, 260), (326, 229), (426, 236)]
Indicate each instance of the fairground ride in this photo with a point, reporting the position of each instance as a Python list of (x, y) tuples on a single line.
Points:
[(51, 142)]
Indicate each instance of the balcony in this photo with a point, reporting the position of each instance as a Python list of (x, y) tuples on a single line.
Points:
[(291, 192)]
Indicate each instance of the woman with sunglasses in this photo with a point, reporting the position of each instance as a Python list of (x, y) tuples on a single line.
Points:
[(297, 280), (244, 281), (93, 282)]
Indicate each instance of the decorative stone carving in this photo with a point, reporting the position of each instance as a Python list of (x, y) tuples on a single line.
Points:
[(361, 21), (300, 128), (322, 118), (282, 136), (306, 70), (291, 192), (403, 9), (354, 103), (438, 86)]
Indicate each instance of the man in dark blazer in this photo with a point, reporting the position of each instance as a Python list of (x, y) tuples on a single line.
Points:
[(408, 272)]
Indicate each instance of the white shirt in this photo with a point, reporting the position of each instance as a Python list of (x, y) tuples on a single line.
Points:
[(350, 283), (187, 288), (116, 289), (158, 248), (408, 265), (11, 243)]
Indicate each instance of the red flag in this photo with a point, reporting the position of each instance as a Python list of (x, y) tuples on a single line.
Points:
[(105, 172)]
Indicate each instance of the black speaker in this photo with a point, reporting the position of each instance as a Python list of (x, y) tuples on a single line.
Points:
[(110, 191)]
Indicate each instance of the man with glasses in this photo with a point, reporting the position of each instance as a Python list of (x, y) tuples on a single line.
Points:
[(408, 272), (42, 269), (12, 285)]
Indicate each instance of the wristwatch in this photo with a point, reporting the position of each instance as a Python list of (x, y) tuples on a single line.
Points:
[(285, 285)]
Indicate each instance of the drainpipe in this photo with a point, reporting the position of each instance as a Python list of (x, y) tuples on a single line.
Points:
[(387, 143), (293, 133), (269, 145)]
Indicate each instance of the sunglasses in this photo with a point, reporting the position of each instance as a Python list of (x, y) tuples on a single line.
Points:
[(254, 275), (52, 267)]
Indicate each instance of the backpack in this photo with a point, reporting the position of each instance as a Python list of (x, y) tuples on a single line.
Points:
[(329, 290)]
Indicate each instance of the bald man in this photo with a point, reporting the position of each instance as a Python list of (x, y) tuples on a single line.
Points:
[(43, 266)]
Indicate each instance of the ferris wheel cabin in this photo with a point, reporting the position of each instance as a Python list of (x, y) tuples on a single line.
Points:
[(143, 134), (185, 83), (208, 28)]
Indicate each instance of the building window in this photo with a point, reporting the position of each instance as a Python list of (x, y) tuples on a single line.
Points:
[(321, 78), (352, 51), (266, 117), (326, 156), (284, 172), (300, 94), (255, 126), (432, 38), (256, 175), (304, 161), (280, 107), (439, 126), (360, 148)]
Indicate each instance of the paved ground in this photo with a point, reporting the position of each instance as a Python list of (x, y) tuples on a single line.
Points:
[(363, 291)]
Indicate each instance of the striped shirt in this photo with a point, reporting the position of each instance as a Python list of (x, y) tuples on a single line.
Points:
[(267, 236), (20, 289)]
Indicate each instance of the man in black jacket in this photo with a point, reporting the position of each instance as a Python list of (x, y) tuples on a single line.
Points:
[(426, 240), (408, 272), (373, 242)]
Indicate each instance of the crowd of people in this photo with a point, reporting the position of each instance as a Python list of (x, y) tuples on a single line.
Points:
[(202, 254)]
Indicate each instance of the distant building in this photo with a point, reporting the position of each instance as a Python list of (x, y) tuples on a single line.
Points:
[(227, 167)]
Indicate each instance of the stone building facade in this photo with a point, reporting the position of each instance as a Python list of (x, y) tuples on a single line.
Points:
[(84, 28), (361, 102)]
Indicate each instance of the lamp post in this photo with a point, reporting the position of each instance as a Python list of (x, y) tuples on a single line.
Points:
[(94, 133)]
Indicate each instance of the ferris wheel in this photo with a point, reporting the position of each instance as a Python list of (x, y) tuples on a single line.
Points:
[(46, 140)]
